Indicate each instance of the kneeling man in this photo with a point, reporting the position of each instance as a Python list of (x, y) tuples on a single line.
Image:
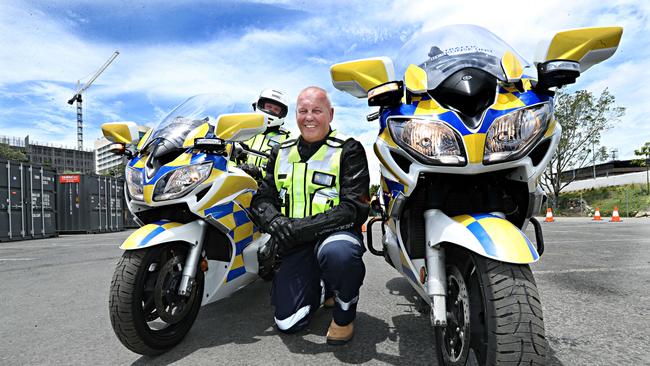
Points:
[(313, 201)]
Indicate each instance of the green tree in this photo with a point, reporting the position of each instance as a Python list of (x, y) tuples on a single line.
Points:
[(373, 189), (116, 171), (602, 154), (11, 153), (644, 151), (583, 118)]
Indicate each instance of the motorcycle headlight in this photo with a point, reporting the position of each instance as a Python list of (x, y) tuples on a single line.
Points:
[(430, 141), (134, 182), (180, 181), (511, 135)]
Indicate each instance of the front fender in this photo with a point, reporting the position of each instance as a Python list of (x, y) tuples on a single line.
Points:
[(484, 234), (162, 232)]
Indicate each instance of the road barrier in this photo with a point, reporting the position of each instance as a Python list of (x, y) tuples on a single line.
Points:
[(597, 215), (549, 215), (615, 215)]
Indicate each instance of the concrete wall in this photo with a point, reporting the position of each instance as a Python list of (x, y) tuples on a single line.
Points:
[(616, 180)]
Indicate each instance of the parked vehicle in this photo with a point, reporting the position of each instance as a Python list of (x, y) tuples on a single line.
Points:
[(463, 140), (197, 243)]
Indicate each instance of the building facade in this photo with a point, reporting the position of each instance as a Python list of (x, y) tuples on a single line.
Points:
[(104, 159), (60, 158)]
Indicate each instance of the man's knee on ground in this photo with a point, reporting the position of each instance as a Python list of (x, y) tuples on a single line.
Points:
[(293, 329), (295, 322)]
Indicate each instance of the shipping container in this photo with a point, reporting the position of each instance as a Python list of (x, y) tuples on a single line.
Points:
[(129, 219), (27, 201), (89, 204)]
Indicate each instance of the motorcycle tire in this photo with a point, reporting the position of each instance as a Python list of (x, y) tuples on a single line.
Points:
[(506, 325), (132, 307)]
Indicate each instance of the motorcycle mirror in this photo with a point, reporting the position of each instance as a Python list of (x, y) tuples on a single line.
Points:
[(557, 73), (359, 76), (121, 132), (386, 95), (588, 46)]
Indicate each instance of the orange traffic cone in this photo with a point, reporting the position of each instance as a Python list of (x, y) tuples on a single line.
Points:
[(549, 215), (363, 228), (597, 214), (615, 216)]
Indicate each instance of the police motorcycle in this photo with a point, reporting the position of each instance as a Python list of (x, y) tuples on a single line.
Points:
[(197, 243), (463, 140)]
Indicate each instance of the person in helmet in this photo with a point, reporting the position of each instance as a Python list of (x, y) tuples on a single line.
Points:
[(275, 105)]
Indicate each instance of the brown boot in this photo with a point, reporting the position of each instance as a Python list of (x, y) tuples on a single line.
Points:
[(329, 303), (338, 335)]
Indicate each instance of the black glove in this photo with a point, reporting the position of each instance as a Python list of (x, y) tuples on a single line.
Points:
[(252, 170), (281, 228)]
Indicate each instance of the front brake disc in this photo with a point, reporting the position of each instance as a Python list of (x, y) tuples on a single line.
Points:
[(171, 306)]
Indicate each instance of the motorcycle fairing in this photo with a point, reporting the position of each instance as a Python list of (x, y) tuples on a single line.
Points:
[(485, 234), (507, 100), (161, 232), (234, 221)]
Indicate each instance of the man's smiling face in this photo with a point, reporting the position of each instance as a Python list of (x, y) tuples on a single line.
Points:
[(314, 113)]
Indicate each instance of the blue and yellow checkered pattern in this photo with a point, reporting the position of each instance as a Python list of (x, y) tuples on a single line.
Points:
[(233, 216), (499, 238)]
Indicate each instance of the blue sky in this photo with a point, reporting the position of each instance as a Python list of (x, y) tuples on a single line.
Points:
[(170, 51)]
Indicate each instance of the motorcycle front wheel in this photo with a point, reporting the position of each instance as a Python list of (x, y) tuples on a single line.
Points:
[(147, 314), (494, 315)]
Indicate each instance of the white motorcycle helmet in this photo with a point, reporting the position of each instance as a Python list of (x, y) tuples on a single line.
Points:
[(274, 104)]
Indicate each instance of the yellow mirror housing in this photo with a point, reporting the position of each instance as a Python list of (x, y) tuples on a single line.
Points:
[(588, 46), (358, 76), (239, 126), (121, 132)]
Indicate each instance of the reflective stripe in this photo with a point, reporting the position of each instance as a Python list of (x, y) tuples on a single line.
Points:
[(322, 292), (293, 319), (345, 306), (343, 237)]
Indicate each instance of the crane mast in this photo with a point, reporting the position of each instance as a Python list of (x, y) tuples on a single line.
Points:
[(77, 98)]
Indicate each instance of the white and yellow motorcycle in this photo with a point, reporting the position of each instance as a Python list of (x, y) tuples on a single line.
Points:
[(463, 140), (197, 243)]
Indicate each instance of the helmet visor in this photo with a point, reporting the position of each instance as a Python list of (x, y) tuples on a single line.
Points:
[(272, 107)]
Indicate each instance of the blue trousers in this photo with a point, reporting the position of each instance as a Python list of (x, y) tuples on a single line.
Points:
[(305, 278)]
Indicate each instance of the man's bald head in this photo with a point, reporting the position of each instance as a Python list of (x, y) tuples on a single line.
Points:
[(318, 93), (314, 113)]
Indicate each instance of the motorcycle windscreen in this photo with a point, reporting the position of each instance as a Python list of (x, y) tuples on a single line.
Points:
[(447, 50)]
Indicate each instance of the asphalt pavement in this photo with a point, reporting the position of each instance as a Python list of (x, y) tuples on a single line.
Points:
[(593, 278)]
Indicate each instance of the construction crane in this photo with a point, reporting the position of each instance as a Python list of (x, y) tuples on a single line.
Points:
[(77, 98)]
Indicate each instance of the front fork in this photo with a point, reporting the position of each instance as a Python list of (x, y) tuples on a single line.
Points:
[(436, 286), (192, 263)]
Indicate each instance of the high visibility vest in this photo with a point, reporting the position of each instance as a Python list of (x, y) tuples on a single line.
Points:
[(264, 142), (311, 187)]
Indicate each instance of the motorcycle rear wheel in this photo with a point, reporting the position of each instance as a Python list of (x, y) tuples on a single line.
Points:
[(505, 314), (133, 303)]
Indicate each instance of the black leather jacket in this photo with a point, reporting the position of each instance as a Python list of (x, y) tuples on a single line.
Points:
[(349, 214)]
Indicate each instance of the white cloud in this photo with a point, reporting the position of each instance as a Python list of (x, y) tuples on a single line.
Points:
[(45, 58)]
